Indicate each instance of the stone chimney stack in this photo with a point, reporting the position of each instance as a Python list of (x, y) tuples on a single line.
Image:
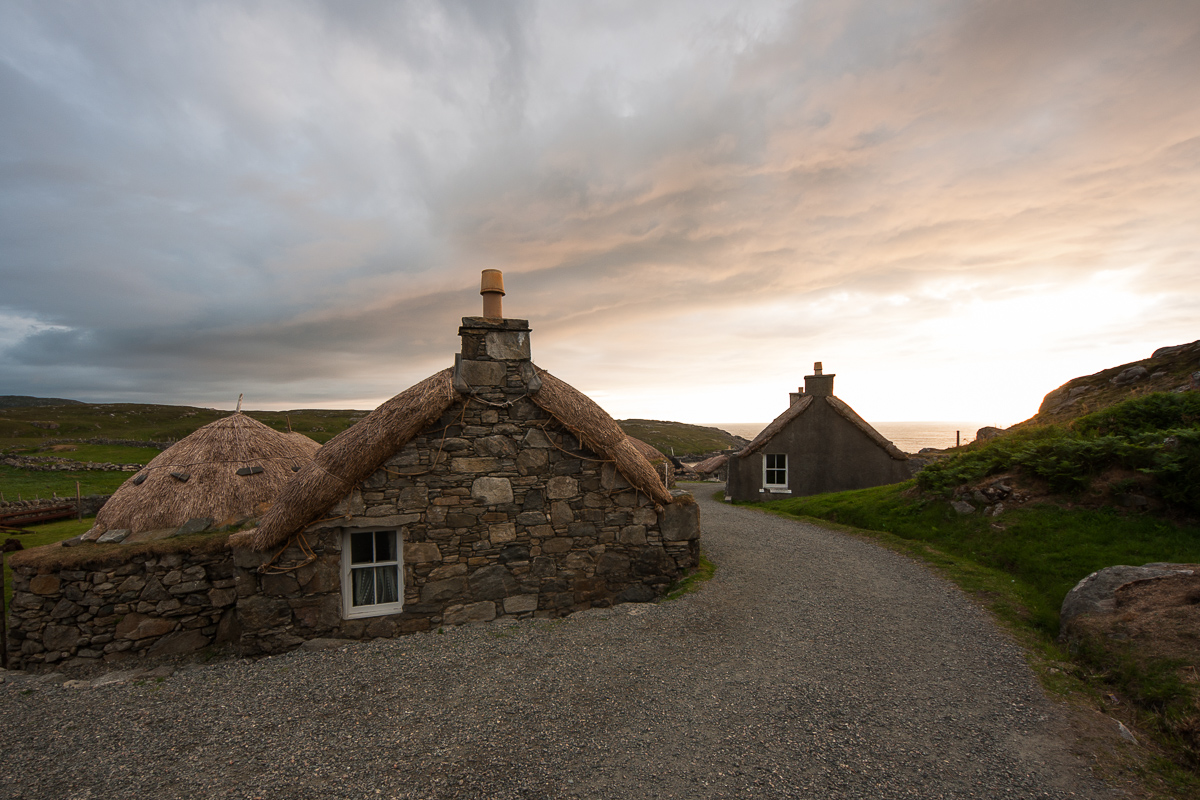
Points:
[(495, 357), (818, 383)]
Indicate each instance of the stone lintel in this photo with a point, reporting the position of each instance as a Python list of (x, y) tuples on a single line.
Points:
[(479, 324), (390, 521)]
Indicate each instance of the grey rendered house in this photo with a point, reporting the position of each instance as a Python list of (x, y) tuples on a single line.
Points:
[(819, 444)]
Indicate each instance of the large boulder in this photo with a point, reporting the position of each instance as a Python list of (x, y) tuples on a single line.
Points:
[(1096, 593)]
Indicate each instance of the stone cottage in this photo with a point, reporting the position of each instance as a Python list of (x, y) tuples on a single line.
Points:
[(491, 490), (819, 444)]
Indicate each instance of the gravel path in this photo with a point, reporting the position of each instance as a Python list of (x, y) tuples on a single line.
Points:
[(814, 665)]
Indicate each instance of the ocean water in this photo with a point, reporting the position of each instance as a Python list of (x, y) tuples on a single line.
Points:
[(908, 436)]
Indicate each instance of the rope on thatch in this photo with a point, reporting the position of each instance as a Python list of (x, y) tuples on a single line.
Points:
[(273, 567), (599, 432), (350, 457), (780, 422), (152, 499), (848, 413)]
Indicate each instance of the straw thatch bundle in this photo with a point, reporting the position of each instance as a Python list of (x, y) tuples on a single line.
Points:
[(599, 432), (350, 457), (663, 466), (765, 435), (711, 464), (159, 496), (311, 445), (848, 413)]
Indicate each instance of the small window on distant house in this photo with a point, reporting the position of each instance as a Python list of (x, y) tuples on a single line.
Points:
[(372, 582), (775, 470)]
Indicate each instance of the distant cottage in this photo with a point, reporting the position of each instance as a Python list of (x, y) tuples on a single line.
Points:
[(819, 444), (489, 490)]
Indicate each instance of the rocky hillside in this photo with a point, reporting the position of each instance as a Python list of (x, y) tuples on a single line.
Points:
[(1168, 369)]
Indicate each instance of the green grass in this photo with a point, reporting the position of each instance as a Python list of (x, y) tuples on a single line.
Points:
[(39, 535), (692, 581), (27, 484), (677, 438), (98, 453), (1155, 435), (19, 426)]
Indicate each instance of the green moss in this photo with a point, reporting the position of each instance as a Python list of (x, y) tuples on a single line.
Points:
[(692, 581)]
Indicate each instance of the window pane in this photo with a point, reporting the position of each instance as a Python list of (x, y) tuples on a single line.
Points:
[(775, 469), (361, 550), (385, 545), (364, 587), (387, 585)]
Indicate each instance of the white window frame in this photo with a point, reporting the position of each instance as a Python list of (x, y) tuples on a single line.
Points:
[(774, 487), (351, 611)]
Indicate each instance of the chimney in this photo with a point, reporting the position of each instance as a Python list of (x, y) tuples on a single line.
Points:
[(491, 286), (495, 350), (819, 383)]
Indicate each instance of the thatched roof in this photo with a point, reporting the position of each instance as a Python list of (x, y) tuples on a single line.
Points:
[(309, 444), (350, 457), (843, 410), (710, 465), (657, 459), (766, 434), (600, 432), (197, 477), (356, 453)]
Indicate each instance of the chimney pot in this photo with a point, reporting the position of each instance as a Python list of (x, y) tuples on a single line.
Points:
[(491, 286), (816, 368)]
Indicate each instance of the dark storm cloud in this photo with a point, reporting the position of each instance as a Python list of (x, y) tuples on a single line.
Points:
[(297, 197)]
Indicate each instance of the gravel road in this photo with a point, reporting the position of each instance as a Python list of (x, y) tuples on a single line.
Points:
[(814, 665)]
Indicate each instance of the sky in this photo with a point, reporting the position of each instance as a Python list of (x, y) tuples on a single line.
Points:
[(955, 205)]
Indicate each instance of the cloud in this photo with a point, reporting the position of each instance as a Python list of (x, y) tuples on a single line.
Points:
[(296, 198)]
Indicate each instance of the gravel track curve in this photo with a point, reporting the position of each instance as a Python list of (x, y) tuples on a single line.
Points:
[(813, 665)]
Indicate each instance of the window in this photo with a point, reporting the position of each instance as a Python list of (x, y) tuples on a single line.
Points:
[(372, 584), (775, 470)]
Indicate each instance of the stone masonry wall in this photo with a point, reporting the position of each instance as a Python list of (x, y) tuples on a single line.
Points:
[(112, 603), (114, 609)]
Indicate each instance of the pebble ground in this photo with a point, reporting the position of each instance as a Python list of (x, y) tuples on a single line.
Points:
[(814, 665)]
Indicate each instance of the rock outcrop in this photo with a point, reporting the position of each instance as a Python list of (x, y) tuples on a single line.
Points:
[(1168, 369)]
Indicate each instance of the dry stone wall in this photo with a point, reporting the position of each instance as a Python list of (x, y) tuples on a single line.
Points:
[(112, 603)]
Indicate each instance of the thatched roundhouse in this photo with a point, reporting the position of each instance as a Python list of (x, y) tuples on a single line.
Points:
[(489, 490), (819, 444), (222, 475)]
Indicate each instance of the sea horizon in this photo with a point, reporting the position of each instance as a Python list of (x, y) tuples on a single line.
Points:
[(909, 436)]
